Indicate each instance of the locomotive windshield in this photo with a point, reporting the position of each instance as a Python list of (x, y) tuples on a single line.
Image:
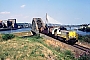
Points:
[(62, 28)]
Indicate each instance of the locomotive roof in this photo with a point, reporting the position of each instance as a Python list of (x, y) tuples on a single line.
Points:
[(64, 30)]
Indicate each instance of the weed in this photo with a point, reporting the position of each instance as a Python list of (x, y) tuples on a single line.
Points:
[(14, 56), (7, 36), (57, 49), (33, 52), (67, 52), (6, 53), (68, 55), (3, 55), (22, 56), (42, 55), (84, 57)]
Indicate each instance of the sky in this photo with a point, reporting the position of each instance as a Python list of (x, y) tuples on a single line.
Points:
[(64, 11)]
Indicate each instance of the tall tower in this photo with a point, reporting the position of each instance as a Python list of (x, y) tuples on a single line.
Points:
[(46, 18)]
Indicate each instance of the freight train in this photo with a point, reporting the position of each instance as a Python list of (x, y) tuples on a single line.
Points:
[(60, 32)]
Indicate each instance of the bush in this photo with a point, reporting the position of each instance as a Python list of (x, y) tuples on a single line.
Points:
[(7, 36), (84, 57), (69, 55), (85, 38), (80, 37)]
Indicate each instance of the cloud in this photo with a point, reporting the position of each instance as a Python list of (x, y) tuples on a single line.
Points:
[(5, 12), (23, 6)]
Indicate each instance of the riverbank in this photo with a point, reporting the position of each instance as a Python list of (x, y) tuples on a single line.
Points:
[(85, 29), (15, 31), (6, 29)]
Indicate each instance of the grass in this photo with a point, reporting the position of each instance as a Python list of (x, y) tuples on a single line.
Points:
[(32, 48), (22, 48), (56, 50)]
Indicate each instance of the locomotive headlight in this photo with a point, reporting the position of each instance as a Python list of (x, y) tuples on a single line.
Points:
[(69, 36)]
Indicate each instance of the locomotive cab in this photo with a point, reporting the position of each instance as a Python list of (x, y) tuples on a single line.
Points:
[(70, 37)]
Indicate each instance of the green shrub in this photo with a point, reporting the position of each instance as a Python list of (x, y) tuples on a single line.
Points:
[(68, 54), (84, 57), (7, 36), (80, 37), (37, 36), (85, 38), (42, 55)]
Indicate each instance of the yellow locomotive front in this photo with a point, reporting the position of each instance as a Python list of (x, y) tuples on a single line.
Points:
[(73, 35), (70, 37)]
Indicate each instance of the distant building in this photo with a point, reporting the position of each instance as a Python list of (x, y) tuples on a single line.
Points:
[(88, 25), (1, 25), (4, 22), (11, 22), (23, 25), (8, 23)]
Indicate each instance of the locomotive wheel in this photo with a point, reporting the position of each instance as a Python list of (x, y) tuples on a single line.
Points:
[(71, 42), (61, 39), (54, 36)]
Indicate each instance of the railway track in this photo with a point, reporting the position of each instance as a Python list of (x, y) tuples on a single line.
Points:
[(76, 46), (87, 50), (38, 25)]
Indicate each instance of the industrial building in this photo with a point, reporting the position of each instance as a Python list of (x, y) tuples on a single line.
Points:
[(24, 25), (10, 23)]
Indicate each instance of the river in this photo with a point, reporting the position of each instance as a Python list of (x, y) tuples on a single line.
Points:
[(79, 32), (13, 31), (28, 29)]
